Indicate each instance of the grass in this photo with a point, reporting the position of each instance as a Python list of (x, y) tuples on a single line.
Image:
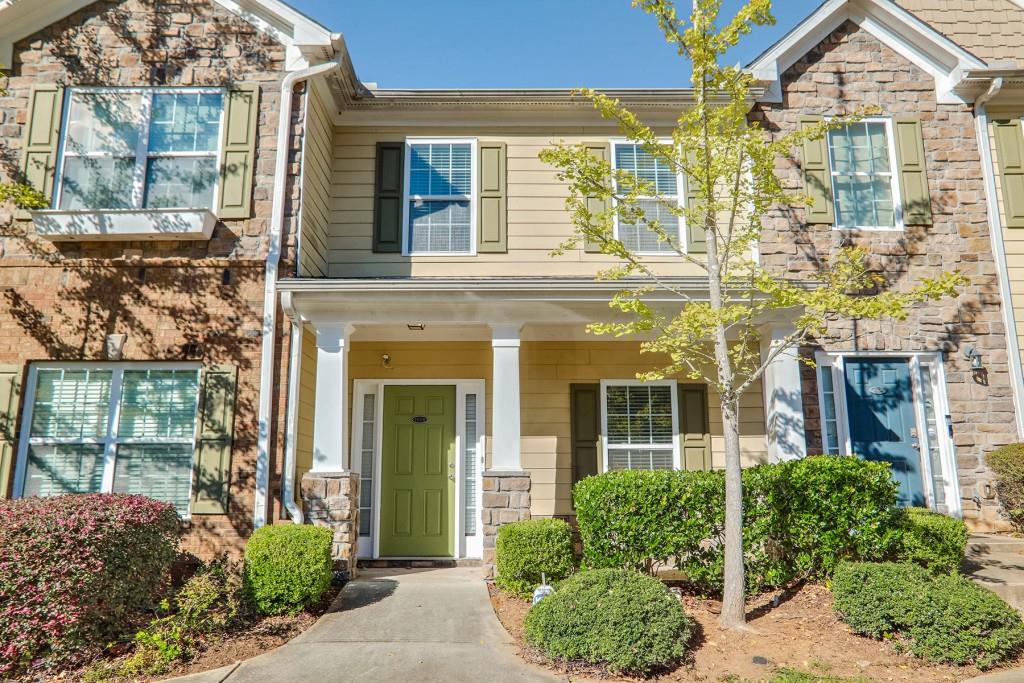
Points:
[(794, 676)]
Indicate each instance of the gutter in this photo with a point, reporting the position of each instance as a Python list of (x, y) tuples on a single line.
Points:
[(267, 385), (998, 252)]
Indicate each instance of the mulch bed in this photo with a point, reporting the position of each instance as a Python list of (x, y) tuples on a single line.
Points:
[(794, 629), (245, 641)]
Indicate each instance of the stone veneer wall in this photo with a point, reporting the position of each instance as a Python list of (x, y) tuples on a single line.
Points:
[(506, 499), (185, 300), (331, 499), (848, 70)]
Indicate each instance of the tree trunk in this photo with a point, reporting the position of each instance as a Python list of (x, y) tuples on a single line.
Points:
[(734, 593)]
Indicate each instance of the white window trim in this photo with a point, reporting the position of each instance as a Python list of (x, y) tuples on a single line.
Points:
[(471, 197), (142, 155), (110, 440), (605, 446), (680, 200), (466, 547), (897, 197), (834, 362)]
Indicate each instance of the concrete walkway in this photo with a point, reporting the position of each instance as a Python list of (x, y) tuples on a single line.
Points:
[(401, 625)]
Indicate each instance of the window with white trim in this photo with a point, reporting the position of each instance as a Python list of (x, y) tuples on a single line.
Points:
[(640, 425), (140, 148), (863, 163), (639, 237), (829, 420), (439, 196), (112, 428)]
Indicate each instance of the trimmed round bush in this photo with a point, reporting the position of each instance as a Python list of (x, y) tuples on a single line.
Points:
[(873, 598), (932, 540), (288, 567), (945, 619), (627, 622), (800, 519), (526, 549), (1008, 465), (76, 572)]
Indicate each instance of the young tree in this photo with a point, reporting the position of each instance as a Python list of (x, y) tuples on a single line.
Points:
[(729, 166)]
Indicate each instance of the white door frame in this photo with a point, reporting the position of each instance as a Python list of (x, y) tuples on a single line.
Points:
[(835, 362), (465, 546)]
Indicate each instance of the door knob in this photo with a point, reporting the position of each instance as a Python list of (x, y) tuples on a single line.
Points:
[(452, 477), (914, 444)]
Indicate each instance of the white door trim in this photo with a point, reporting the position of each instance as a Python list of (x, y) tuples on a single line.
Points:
[(465, 546), (835, 362)]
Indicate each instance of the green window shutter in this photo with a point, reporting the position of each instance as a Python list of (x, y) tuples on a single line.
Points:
[(387, 203), (917, 202), (238, 160), (42, 139), (585, 418), (817, 176), (492, 215), (696, 234), (10, 392), (596, 205), (695, 435), (216, 436), (1009, 142)]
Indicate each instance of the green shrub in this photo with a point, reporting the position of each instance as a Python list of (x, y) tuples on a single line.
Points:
[(874, 598), (526, 549), (945, 619), (288, 567), (1008, 465), (625, 621), (800, 519), (932, 540)]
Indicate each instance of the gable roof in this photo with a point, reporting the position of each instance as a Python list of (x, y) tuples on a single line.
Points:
[(993, 30), (907, 34), (307, 41)]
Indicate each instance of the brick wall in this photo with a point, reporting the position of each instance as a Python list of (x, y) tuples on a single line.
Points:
[(173, 300), (848, 70)]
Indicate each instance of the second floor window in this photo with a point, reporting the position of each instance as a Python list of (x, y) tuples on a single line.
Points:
[(863, 182), (440, 197), (664, 182), (140, 149)]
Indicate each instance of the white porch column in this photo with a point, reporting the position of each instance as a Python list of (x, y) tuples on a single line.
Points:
[(784, 410), (330, 426), (505, 437)]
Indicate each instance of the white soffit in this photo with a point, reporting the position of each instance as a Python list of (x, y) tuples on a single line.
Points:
[(307, 41), (892, 25)]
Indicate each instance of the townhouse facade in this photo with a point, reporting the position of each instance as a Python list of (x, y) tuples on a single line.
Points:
[(267, 292)]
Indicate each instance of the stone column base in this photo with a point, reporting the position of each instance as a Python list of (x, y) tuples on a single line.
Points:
[(331, 499), (506, 498)]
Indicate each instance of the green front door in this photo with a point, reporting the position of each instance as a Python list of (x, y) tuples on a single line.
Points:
[(417, 484)]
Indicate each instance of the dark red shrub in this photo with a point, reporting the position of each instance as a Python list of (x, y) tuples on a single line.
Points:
[(77, 571)]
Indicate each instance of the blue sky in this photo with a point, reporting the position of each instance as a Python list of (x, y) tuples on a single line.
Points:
[(519, 43)]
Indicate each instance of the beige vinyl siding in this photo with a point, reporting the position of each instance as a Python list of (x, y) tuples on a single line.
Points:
[(307, 410), (537, 219), (547, 370), (316, 189), (1013, 238)]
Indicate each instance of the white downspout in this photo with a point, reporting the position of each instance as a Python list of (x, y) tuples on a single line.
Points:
[(267, 354), (998, 252)]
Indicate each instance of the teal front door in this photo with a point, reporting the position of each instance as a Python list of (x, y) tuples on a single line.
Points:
[(880, 406)]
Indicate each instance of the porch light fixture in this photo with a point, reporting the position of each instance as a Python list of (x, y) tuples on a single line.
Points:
[(972, 354), (417, 327)]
